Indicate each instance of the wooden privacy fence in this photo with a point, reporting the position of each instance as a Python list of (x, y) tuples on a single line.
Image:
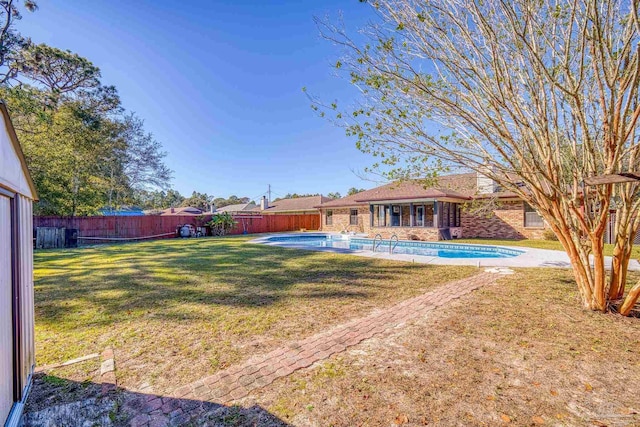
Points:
[(275, 223), (156, 226)]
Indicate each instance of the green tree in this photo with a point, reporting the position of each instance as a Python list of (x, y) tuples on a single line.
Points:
[(538, 98), (157, 199), (198, 200), (140, 165), (335, 195), (296, 196), (85, 152), (221, 202), (354, 190), (172, 198), (69, 156), (11, 41), (57, 71)]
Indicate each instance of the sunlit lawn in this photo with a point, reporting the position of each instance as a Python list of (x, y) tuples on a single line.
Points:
[(176, 310)]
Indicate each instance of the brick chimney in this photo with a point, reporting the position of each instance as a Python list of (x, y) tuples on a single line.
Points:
[(485, 185)]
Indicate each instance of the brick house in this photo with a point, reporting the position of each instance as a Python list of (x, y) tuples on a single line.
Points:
[(415, 212)]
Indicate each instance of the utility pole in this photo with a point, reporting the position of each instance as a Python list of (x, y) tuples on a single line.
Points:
[(269, 198)]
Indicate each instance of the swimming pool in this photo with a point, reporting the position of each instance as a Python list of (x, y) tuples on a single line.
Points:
[(432, 249)]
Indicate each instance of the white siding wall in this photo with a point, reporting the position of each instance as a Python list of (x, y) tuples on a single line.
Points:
[(14, 179), (6, 340), (26, 286)]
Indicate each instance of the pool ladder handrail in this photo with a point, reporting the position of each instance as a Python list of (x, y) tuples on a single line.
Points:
[(374, 242), (391, 248)]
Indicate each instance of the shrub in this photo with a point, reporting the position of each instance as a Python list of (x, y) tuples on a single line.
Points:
[(221, 224), (548, 234)]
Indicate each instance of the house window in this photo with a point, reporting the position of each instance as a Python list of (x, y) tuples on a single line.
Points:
[(452, 214), (418, 220), (456, 210), (395, 216), (405, 215), (444, 217), (381, 216), (353, 217), (329, 218), (531, 217), (428, 215)]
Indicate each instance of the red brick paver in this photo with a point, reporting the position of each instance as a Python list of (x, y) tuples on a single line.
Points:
[(260, 371)]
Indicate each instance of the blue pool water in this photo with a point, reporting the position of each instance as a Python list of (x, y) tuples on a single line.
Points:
[(443, 250)]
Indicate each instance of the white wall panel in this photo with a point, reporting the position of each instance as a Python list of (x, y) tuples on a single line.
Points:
[(26, 287), (6, 328)]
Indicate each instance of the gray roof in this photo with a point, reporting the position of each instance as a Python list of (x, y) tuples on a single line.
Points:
[(237, 208), (298, 204)]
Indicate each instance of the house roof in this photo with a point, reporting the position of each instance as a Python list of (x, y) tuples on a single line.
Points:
[(297, 204), (186, 210), (461, 186), (237, 207)]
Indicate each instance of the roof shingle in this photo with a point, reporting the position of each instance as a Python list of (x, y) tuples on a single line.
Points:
[(297, 204), (237, 207), (461, 186), (186, 210)]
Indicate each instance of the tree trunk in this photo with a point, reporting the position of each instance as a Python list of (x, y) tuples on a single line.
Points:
[(630, 301), (599, 300), (589, 272), (626, 227), (581, 271), (619, 265)]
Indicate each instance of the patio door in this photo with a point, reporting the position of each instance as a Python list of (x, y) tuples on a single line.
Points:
[(7, 377)]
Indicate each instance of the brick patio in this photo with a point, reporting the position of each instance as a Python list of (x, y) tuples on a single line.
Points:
[(193, 400)]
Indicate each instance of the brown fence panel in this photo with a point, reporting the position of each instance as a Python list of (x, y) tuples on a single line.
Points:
[(155, 225), (275, 223), (120, 226)]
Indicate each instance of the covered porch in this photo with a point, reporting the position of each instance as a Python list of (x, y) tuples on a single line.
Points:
[(416, 219)]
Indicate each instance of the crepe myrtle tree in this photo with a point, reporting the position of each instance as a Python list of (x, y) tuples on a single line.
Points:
[(536, 95)]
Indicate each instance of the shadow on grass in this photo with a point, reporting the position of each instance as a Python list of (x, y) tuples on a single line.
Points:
[(172, 278), (57, 401)]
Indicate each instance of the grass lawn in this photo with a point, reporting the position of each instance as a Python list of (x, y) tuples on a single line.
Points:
[(177, 310), (541, 244), (522, 353)]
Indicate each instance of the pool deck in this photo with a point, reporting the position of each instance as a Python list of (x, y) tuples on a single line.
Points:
[(530, 257)]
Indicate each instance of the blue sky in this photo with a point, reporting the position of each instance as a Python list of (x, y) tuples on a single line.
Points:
[(220, 85)]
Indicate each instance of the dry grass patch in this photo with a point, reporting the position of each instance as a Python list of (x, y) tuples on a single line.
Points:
[(177, 310), (522, 352)]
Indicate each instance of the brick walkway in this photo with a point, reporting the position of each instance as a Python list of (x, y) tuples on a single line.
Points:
[(196, 400), (238, 381)]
